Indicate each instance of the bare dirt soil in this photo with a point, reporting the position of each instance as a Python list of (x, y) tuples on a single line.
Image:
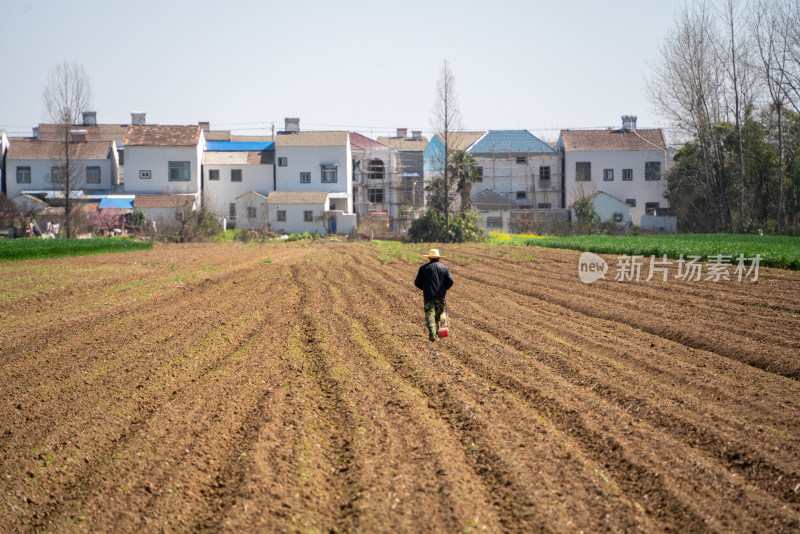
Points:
[(292, 387)]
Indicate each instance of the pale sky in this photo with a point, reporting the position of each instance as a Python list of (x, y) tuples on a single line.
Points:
[(368, 66)]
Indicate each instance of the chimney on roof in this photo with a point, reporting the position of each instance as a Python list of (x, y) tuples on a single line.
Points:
[(36, 132), (78, 136), (138, 118), (206, 126), (291, 124), (628, 122), (90, 118), (402, 132), (416, 134)]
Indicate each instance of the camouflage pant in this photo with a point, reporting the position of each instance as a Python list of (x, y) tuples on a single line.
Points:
[(433, 312)]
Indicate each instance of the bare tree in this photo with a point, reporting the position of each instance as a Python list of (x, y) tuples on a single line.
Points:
[(66, 96), (446, 123), (731, 53), (772, 28), (790, 14), (686, 87)]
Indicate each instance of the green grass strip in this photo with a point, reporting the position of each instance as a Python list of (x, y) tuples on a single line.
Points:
[(776, 251), (32, 249)]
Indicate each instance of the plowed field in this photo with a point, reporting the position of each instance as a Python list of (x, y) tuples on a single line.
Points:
[(292, 388)]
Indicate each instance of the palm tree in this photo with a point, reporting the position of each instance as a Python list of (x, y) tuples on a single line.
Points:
[(465, 170)]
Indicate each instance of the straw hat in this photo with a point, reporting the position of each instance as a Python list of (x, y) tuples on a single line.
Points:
[(433, 254)]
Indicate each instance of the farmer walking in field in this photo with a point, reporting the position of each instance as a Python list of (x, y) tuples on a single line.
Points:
[(434, 280)]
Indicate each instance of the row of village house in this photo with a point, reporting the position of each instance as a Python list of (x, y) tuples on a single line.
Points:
[(325, 181)]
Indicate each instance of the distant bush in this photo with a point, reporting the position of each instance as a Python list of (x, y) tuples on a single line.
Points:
[(464, 226)]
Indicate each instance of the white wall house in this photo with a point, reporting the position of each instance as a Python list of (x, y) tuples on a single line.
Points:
[(163, 159), (608, 208), (519, 165), (629, 164), (35, 166), (315, 161), (227, 175), (295, 212), (376, 185), (162, 209), (251, 211)]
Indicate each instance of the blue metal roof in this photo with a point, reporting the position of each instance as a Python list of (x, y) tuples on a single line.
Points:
[(510, 141), (117, 203), (239, 146)]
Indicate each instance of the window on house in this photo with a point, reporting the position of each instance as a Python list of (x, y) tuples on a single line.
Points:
[(332, 206), (232, 209), (121, 156), (627, 175), (652, 171), (650, 208), (328, 174), (144, 175), (376, 195), (23, 175), (251, 213), (236, 175), (308, 215), (631, 202), (544, 173), (281, 216), (58, 173), (92, 175), (179, 171), (618, 218), (213, 174), (544, 205), (522, 161), (376, 169), (305, 177), (583, 171), (521, 195), (608, 175), (283, 162), (479, 175)]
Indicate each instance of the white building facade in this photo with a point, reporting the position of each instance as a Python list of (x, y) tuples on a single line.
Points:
[(252, 211), (229, 175), (294, 212), (34, 165), (316, 161), (163, 159), (628, 164)]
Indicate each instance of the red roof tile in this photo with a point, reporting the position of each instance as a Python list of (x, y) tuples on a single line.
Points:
[(592, 140), (97, 132), (157, 135), (162, 201), (35, 149), (360, 142)]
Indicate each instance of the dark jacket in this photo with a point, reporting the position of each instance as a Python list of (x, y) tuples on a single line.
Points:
[(434, 280)]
